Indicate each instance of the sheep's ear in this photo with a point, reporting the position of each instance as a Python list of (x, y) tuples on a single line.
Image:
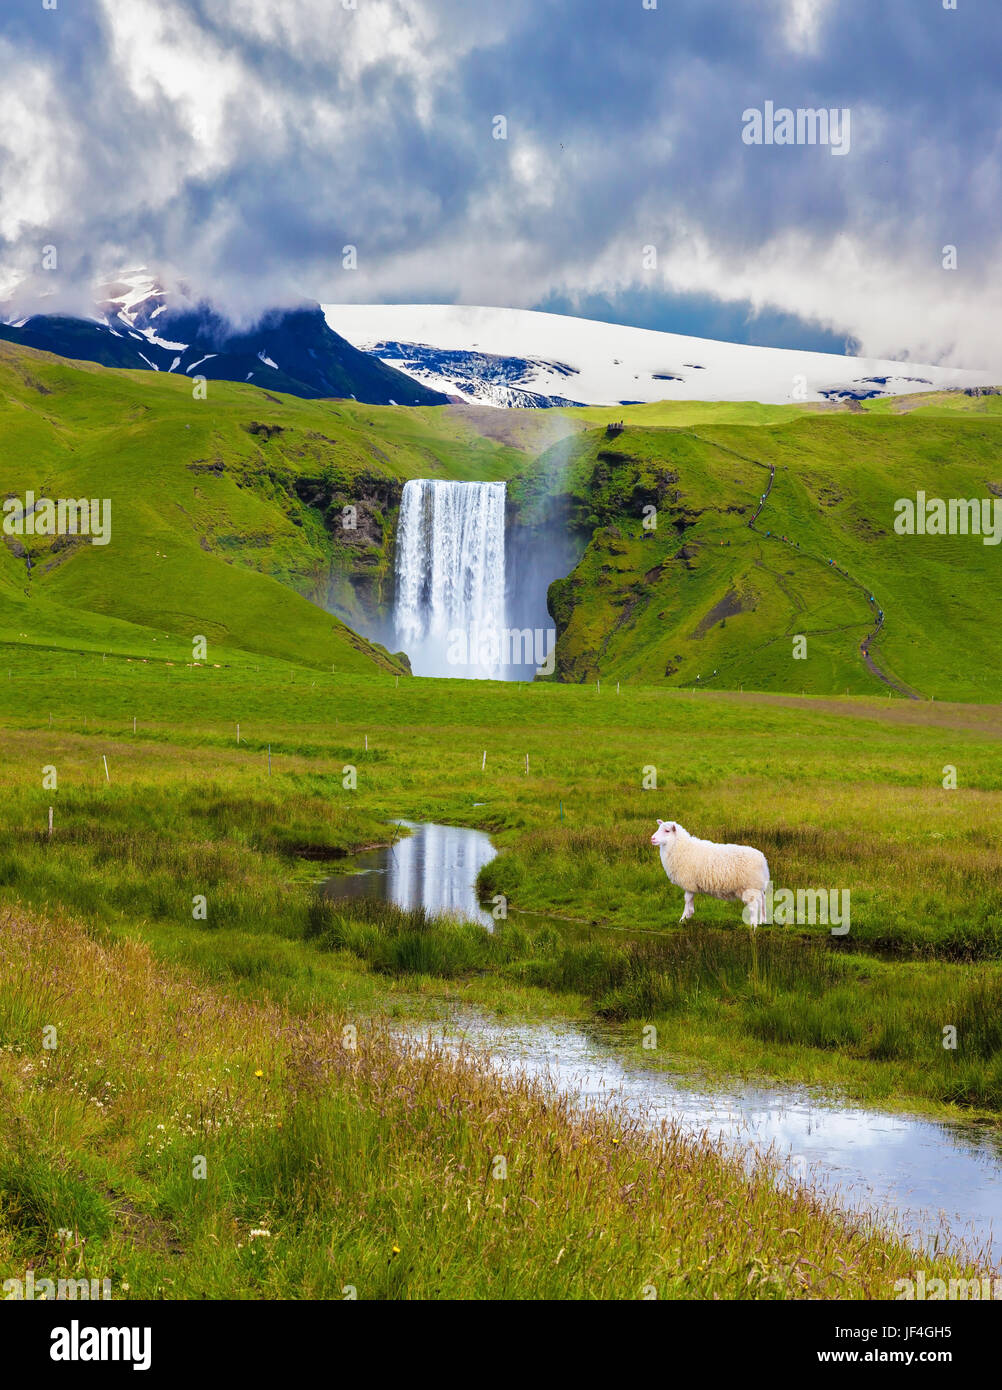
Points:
[(660, 821)]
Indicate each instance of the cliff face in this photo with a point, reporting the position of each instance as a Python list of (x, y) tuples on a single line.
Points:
[(582, 511), (359, 517)]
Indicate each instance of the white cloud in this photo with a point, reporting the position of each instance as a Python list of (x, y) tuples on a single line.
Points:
[(239, 145), (897, 306), (803, 22), (33, 146)]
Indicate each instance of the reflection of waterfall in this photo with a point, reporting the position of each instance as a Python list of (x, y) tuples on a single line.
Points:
[(450, 577), (436, 868)]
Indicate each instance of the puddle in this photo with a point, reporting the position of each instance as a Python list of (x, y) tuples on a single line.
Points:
[(435, 867)]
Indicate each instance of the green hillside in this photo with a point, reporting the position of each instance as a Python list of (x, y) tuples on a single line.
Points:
[(225, 511), (705, 592), (228, 521)]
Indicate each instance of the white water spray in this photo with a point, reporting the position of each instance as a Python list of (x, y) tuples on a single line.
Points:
[(450, 575)]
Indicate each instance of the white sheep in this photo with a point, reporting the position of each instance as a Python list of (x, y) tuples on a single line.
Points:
[(721, 871)]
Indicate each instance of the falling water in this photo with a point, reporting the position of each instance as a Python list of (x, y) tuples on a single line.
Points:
[(450, 577)]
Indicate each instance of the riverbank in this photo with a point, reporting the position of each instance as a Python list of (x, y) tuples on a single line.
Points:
[(185, 1144)]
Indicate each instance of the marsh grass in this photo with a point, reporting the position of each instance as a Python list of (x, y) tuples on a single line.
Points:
[(370, 1168), (791, 991), (936, 894), (837, 797)]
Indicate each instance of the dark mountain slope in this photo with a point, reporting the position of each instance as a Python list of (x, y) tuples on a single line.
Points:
[(291, 351)]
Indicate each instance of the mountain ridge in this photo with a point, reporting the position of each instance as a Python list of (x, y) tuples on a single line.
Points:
[(138, 325)]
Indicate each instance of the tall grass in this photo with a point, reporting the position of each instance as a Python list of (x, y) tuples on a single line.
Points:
[(793, 991), (372, 1169)]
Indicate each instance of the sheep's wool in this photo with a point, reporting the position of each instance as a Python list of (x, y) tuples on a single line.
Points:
[(721, 871)]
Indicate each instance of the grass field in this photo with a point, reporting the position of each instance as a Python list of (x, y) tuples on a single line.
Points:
[(840, 795), (183, 1144), (170, 932), (222, 1037)]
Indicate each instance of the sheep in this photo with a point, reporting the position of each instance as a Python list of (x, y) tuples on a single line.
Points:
[(721, 871)]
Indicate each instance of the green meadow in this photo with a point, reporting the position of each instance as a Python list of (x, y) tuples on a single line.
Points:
[(201, 992), (222, 1037), (842, 795)]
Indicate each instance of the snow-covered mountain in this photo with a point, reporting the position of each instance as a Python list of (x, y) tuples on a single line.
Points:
[(138, 324), (519, 357), (425, 354)]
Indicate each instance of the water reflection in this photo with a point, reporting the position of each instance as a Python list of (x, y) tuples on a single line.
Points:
[(926, 1180), (434, 867)]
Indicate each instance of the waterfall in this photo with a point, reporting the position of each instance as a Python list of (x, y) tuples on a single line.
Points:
[(450, 577)]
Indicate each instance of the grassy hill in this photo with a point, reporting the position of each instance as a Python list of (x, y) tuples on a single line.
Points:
[(228, 522), (213, 531), (717, 594)]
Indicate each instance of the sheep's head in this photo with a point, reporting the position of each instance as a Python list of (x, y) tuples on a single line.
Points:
[(666, 831)]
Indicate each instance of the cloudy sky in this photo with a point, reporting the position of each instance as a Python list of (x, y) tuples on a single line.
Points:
[(240, 145)]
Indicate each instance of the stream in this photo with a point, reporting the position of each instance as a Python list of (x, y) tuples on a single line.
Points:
[(931, 1182)]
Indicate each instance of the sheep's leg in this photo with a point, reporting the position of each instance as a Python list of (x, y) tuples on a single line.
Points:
[(689, 909), (754, 901)]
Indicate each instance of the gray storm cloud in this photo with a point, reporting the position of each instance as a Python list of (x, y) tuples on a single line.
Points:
[(239, 146)]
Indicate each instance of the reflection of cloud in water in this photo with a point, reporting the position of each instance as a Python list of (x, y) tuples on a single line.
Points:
[(436, 867), (924, 1178)]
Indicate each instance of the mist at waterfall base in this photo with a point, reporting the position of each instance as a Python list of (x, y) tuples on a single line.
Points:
[(468, 603)]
